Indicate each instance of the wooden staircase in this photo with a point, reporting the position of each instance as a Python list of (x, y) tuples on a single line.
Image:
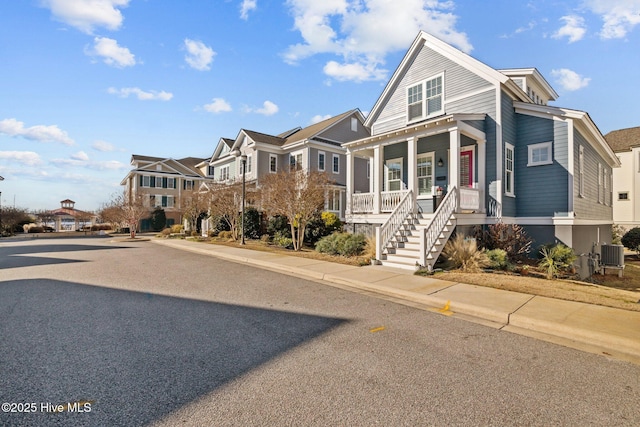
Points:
[(419, 241)]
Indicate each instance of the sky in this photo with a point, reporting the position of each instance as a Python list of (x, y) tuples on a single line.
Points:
[(84, 84)]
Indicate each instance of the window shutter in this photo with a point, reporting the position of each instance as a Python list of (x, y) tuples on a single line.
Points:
[(152, 182), (140, 180)]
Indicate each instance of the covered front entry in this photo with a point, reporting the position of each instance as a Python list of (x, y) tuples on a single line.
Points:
[(428, 160)]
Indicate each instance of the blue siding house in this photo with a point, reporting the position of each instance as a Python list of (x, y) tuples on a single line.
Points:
[(455, 143)]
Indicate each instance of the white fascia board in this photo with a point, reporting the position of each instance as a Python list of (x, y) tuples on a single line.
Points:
[(273, 149)]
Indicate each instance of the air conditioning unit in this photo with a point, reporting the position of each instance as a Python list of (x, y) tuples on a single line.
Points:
[(612, 255)]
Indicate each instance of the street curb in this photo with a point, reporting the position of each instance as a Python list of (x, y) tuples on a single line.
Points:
[(509, 320)]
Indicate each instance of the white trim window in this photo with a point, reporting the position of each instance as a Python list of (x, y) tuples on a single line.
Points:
[(249, 163), (295, 161), (334, 198), (509, 168), (211, 170), (581, 172), (224, 173), (623, 195), (321, 160), (354, 124), (145, 181), (425, 99), (540, 154), (425, 171), (393, 175), (600, 192), (605, 178), (158, 182), (336, 163), (273, 163)]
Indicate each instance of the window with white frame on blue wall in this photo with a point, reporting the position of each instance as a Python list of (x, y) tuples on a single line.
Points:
[(540, 154), (425, 172), (425, 99)]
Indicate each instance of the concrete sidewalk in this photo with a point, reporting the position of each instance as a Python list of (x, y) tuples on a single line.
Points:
[(602, 330)]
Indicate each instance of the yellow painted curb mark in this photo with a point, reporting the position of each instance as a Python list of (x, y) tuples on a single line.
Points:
[(378, 329), (445, 310)]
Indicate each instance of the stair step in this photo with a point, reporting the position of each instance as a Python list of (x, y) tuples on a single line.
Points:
[(403, 266)]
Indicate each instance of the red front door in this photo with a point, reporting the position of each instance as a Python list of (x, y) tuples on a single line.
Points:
[(466, 168)]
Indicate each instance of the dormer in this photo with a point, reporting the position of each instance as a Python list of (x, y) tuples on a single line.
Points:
[(533, 84)]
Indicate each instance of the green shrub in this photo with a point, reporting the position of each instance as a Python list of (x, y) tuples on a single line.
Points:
[(498, 259), (631, 239), (177, 228), (345, 244), (323, 225), (464, 254), (158, 219), (282, 240), (279, 224), (252, 223), (555, 259)]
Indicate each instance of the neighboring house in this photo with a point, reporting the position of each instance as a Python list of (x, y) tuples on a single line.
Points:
[(317, 147), (163, 183), (489, 142), (626, 180)]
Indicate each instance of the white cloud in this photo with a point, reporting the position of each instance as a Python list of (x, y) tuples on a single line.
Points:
[(199, 56), (364, 32), (573, 28), (80, 155), (85, 15), (318, 118), (357, 72), (569, 80), (52, 133), (79, 161), (111, 53), (103, 146), (619, 16), (268, 109), (219, 105), (28, 158), (246, 7), (140, 94)]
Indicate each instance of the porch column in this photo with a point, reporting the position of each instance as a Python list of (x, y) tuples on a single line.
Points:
[(350, 180), (377, 173), (412, 183), (454, 161), (482, 182)]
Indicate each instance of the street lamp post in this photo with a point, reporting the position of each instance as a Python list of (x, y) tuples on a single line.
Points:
[(243, 159)]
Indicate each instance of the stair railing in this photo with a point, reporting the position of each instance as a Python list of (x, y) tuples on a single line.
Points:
[(432, 232), (386, 231)]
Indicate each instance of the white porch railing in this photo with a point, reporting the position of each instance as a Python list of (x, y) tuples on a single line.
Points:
[(389, 200), (387, 231), (469, 199), (362, 203), (435, 228)]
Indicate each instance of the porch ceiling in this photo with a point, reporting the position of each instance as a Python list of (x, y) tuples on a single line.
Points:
[(434, 126)]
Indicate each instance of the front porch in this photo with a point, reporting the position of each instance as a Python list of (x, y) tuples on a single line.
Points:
[(421, 180)]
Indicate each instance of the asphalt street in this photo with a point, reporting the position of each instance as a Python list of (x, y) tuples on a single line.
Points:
[(142, 334)]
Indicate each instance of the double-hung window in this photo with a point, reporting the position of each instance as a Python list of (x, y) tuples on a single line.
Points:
[(295, 161), (145, 180), (425, 174), (336, 163), (321, 161), (509, 160), (224, 173), (425, 99), (273, 163), (581, 172), (540, 154), (394, 175)]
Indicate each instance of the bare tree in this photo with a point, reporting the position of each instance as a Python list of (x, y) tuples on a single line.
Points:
[(45, 217), (225, 201), (125, 210), (12, 217), (193, 204), (297, 195)]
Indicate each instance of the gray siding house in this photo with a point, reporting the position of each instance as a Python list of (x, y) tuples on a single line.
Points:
[(455, 143), (318, 147)]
